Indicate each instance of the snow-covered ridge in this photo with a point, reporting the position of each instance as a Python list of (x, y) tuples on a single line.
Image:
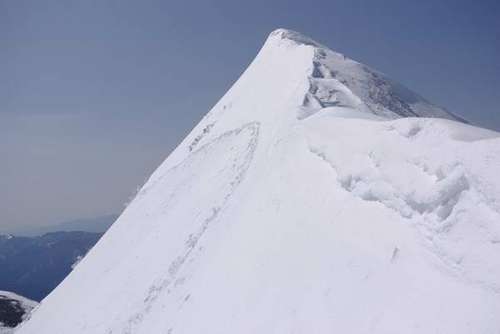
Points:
[(305, 201)]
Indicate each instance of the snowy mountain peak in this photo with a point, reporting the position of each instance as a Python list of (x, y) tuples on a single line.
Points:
[(305, 192), (336, 80), (294, 36)]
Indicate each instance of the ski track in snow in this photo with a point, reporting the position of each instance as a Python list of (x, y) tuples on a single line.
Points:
[(198, 138), (190, 244)]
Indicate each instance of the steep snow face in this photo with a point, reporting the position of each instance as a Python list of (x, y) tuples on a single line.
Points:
[(336, 80), (302, 203)]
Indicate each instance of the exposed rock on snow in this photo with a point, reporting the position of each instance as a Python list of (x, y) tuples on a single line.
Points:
[(313, 198), (14, 309)]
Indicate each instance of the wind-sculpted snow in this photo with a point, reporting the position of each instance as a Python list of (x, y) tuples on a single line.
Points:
[(437, 197), (431, 186)]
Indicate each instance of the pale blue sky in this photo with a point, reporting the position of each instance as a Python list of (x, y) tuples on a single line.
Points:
[(95, 94)]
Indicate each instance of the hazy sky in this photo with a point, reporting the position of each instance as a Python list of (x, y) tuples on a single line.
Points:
[(95, 94)]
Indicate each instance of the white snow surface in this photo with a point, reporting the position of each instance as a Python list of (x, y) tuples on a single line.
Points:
[(305, 201)]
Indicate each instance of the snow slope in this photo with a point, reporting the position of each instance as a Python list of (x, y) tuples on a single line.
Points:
[(302, 203)]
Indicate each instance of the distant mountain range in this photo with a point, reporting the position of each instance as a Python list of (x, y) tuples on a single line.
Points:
[(94, 225), (34, 266), (37, 259)]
